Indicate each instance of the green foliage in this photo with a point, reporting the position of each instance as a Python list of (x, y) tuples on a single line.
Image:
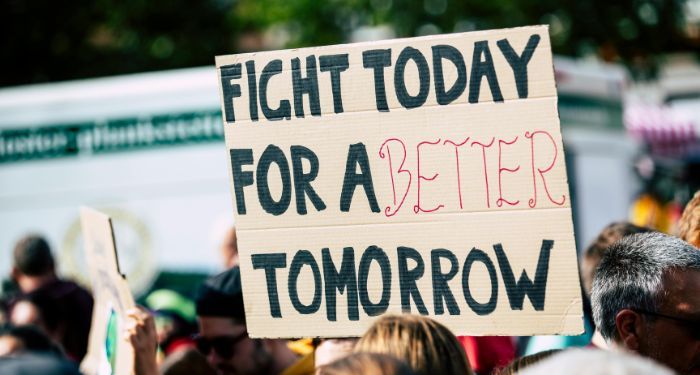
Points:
[(53, 40)]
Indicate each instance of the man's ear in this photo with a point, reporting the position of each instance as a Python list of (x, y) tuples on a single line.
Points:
[(629, 328)]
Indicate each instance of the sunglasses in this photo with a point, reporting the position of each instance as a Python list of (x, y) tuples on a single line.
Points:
[(691, 326), (223, 346)]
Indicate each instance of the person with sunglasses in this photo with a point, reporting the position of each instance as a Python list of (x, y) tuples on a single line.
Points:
[(223, 338), (646, 299)]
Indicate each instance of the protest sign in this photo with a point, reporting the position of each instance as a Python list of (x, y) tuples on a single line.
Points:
[(108, 352), (420, 175)]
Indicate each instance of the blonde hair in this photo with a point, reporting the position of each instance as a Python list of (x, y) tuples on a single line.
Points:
[(366, 363), (426, 345), (689, 224)]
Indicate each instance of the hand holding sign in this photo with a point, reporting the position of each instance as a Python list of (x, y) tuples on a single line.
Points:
[(141, 334)]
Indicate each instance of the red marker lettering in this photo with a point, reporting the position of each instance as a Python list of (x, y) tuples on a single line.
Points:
[(486, 172), (533, 201), (459, 179), (387, 210), (417, 208), (501, 200)]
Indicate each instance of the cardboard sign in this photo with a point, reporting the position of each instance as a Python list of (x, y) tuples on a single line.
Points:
[(420, 175), (108, 352)]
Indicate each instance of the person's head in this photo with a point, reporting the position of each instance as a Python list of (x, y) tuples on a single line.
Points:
[(330, 350), (519, 364), (426, 345), (32, 261), (15, 340), (229, 248), (689, 224), (223, 337), (37, 310), (366, 363), (646, 298), (594, 252), (595, 362), (186, 362)]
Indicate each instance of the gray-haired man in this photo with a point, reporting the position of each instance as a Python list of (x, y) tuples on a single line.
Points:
[(646, 299)]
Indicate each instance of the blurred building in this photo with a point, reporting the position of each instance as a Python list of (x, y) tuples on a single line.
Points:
[(145, 148), (664, 115), (600, 155)]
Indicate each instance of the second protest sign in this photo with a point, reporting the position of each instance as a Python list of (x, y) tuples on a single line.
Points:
[(420, 175)]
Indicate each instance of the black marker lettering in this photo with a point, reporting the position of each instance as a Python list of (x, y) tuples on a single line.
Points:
[(252, 90), (342, 281), (273, 154), (270, 263), (519, 63), (284, 110), (335, 64), (517, 291), (241, 179), (308, 85), (357, 155), (481, 68), (408, 278), (476, 255), (374, 253), (447, 52), (378, 59), (230, 90), (441, 290), (406, 100), (304, 258), (302, 181)]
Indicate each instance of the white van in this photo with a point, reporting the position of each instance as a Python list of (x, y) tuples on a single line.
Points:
[(148, 149)]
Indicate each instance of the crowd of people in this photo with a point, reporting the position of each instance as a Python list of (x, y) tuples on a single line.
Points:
[(641, 292)]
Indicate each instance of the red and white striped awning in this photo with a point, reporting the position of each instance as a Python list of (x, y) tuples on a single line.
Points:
[(669, 131)]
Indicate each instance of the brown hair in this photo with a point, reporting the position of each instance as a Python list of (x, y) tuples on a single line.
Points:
[(519, 364), (426, 345), (32, 256), (366, 363), (595, 251), (689, 225), (186, 362)]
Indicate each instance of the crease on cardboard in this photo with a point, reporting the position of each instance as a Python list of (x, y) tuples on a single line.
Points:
[(326, 116), (418, 221)]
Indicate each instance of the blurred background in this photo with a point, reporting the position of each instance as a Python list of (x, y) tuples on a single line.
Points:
[(114, 104)]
